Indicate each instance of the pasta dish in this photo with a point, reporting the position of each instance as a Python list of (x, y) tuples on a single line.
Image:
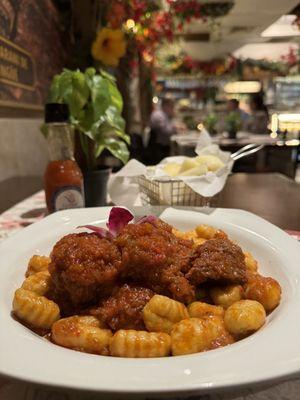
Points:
[(145, 289)]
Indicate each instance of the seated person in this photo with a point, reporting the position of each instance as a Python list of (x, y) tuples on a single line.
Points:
[(162, 128), (233, 105)]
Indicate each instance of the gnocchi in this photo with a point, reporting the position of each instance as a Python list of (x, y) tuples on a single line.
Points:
[(267, 291), (251, 263), (189, 235), (194, 335), (226, 295), (244, 317), (161, 313), (82, 333), (38, 283), (140, 344), (199, 309), (208, 232), (37, 264), (37, 311)]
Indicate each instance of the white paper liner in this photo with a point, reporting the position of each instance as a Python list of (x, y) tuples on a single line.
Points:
[(124, 190)]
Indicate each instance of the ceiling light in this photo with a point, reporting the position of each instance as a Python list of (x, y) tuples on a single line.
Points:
[(242, 87)]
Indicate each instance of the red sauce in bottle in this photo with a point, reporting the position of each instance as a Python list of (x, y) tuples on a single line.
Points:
[(63, 178), (63, 185)]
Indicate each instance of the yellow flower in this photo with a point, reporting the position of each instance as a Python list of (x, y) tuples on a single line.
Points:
[(109, 46)]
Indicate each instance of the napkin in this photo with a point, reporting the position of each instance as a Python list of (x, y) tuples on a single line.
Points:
[(124, 190)]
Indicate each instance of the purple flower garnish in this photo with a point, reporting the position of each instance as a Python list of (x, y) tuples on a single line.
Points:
[(118, 218)]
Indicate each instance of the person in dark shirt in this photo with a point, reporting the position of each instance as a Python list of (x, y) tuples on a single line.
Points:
[(233, 105), (161, 130), (259, 116)]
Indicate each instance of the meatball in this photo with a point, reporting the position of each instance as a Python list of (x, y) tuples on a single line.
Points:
[(154, 257), (124, 309), (84, 267), (217, 260)]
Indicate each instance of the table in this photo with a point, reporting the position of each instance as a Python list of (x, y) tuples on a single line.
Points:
[(271, 196)]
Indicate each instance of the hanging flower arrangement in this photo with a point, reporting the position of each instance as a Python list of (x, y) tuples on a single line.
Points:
[(149, 22), (185, 64), (109, 46)]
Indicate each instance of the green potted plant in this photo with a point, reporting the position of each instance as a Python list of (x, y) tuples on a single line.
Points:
[(210, 122), (232, 124), (95, 105)]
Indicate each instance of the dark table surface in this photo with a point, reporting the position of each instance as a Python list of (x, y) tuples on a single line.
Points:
[(271, 196)]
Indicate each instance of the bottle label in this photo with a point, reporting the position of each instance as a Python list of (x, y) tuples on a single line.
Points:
[(68, 197)]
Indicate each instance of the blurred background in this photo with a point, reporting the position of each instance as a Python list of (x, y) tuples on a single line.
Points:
[(231, 67)]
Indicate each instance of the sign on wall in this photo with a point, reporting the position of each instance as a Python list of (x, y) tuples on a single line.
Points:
[(31, 52)]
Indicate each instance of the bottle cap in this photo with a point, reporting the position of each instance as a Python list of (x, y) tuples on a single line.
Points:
[(56, 112)]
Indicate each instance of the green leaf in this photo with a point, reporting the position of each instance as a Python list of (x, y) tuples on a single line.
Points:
[(99, 94), (115, 96), (86, 118), (54, 93), (76, 92), (114, 118), (90, 72), (108, 76), (116, 147)]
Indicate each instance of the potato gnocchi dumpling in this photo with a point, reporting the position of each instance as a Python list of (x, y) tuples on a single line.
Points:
[(244, 317), (199, 309), (251, 263), (189, 235), (36, 311), (82, 334), (38, 283), (208, 232), (37, 264), (224, 296), (267, 291), (140, 344), (161, 313), (194, 335)]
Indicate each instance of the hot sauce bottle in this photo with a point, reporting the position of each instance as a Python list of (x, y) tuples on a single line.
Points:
[(63, 178)]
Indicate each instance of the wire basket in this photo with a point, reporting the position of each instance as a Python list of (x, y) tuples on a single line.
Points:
[(171, 192)]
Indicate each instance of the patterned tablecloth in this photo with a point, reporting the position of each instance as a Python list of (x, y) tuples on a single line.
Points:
[(33, 209)]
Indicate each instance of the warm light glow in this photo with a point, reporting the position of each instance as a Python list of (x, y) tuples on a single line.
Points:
[(292, 142), (289, 117), (155, 100), (130, 24), (273, 135), (242, 87), (274, 125), (200, 127), (147, 57)]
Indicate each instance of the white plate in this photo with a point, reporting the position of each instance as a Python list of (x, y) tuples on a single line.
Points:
[(271, 353)]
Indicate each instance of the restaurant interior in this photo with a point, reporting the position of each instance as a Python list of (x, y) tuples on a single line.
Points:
[(149, 105)]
